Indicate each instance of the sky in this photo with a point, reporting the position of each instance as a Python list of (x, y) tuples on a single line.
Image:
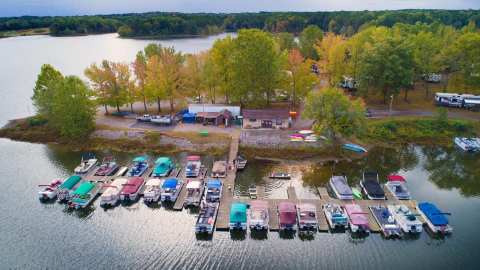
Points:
[(9, 8)]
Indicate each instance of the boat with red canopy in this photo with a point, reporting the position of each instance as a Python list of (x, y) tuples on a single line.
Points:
[(357, 218), (131, 190), (287, 216), (397, 186)]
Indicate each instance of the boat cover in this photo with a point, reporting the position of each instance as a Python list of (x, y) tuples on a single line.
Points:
[(194, 184), (71, 182), (287, 213), (115, 187), (238, 213), (341, 185), (436, 217), (214, 184), (306, 207), (373, 188), (132, 185), (84, 188), (170, 183), (193, 158), (356, 214), (153, 182), (163, 160), (188, 117), (396, 177), (140, 159), (258, 204), (219, 167)]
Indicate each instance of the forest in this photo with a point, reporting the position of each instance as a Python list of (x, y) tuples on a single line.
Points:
[(158, 24)]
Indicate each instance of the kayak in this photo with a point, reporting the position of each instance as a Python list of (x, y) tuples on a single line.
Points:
[(355, 148), (357, 194)]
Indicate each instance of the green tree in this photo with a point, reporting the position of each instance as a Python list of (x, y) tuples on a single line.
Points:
[(140, 71), (222, 65), (466, 50), (73, 111), (334, 113), (286, 41), (309, 37), (301, 79), (426, 48), (44, 89)]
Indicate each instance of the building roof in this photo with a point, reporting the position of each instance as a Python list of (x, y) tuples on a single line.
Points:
[(266, 114)]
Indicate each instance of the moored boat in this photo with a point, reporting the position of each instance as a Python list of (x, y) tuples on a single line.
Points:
[(336, 216), (371, 186), (170, 190), (49, 192), (307, 217), (194, 193), (396, 186), (219, 169), (131, 190), (206, 218), (144, 118), (357, 218), (111, 194), (340, 187), (355, 148), (67, 186), (386, 221), (84, 195), (407, 220), (238, 216), (153, 190), (139, 166), (87, 163), (192, 169), (258, 217), (214, 190), (467, 144), (108, 167), (287, 216), (280, 175), (252, 192), (240, 162), (163, 167), (436, 219)]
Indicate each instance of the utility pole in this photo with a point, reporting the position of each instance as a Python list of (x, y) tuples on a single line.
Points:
[(391, 104)]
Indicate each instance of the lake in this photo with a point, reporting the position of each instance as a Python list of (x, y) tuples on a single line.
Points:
[(39, 236)]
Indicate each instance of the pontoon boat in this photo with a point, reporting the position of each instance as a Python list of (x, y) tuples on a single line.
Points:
[(84, 195), (163, 167), (396, 186), (192, 169), (153, 190), (170, 190), (131, 190), (139, 167), (371, 186), (287, 216), (386, 221), (194, 193), (336, 216), (214, 191), (407, 221), (219, 169), (67, 186), (307, 217), (258, 217), (49, 192), (358, 219), (107, 168), (436, 220), (206, 218), (111, 195), (238, 216)]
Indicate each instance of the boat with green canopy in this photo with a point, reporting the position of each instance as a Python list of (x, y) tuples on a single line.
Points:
[(68, 185), (163, 167), (84, 195), (238, 217)]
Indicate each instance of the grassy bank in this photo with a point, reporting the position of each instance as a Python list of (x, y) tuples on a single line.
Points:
[(26, 32), (422, 130)]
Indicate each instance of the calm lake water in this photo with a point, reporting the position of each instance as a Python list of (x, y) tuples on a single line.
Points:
[(39, 236)]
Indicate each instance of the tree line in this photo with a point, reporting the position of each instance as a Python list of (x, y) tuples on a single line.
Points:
[(154, 24)]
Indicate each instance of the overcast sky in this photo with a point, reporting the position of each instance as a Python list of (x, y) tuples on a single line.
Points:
[(82, 7)]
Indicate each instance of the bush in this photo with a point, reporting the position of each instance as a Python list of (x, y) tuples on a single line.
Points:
[(36, 121)]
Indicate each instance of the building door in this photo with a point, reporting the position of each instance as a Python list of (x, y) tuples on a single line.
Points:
[(267, 124)]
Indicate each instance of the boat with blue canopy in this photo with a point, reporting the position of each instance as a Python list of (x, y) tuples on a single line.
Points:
[(139, 167), (163, 167), (386, 221), (84, 195), (68, 185), (170, 189), (238, 216), (436, 219), (214, 190)]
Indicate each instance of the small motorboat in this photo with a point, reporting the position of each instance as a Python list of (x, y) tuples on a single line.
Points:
[(87, 163), (192, 169), (371, 186), (219, 169), (355, 148), (436, 220), (84, 195), (240, 163), (307, 217), (67, 186), (407, 220), (280, 175), (467, 144), (396, 186), (238, 216), (50, 191), (163, 167), (165, 120), (357, 193), (131, 190), (311, 138), (340, 187), (194, 193), (287, 216), (139, 166), (252, 192), (258, 217), (336, 216), (206, 218), (153, 191), (386, 221), (297, 138), (214, 191), (357, 218), (108, 167), (170, 190), (306, 132), (111, 195), (144, 118)]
